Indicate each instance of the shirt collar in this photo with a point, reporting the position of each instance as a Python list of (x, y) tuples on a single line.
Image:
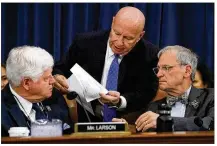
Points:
[(25, 103), (188, 91)]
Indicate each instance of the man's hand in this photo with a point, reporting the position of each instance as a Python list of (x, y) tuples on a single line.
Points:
[(146, 121), (113, 97), (61, 83), (118, 120)]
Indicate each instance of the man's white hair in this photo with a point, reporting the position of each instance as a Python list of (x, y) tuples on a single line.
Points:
[(27, 61)]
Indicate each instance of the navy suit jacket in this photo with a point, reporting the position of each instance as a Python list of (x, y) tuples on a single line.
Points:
[(136, 81), (12, 116), (205, 110)]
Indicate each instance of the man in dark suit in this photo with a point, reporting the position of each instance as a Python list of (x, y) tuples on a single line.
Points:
[(31, 84), (136, 83), (176, 70)]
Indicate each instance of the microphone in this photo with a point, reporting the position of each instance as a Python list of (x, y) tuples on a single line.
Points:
[(199, 122), (72, 95)]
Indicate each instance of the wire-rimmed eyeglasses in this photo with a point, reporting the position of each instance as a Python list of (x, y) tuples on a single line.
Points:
[(164, 68)]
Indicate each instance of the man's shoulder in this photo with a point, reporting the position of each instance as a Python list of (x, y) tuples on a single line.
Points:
[(209, 92), (93, 35), (6, 94), (203, 91), (146, 47)]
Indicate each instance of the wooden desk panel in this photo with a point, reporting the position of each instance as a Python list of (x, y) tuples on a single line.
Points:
[(175, 137)]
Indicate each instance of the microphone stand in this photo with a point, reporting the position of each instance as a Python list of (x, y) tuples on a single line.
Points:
[(74, 95)]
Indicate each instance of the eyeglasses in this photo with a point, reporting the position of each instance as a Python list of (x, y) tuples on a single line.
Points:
[(164, 68)]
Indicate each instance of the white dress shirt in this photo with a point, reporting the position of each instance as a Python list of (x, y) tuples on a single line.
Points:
[(24, 105), (178, 110), (108, 60)]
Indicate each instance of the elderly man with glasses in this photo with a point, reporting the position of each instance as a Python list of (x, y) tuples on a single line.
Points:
[(176, 70)]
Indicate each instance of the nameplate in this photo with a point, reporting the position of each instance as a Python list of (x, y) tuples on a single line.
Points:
[(101, 127)]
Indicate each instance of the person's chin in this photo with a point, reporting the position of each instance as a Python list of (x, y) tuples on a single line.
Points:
[(49, 95), (162, 86)]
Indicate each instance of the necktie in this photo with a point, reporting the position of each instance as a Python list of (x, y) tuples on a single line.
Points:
[(39, 112), (171, 100), (111, 84)]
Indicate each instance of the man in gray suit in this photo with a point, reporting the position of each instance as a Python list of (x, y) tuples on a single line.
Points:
[(176, 70)]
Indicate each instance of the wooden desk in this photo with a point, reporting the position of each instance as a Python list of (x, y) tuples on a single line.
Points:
[(162, 138)]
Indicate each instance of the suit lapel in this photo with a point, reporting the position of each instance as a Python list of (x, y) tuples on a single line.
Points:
[(193, 97), (18, 116), (14, 109), (122, 70), (98, 54), (130, 57)]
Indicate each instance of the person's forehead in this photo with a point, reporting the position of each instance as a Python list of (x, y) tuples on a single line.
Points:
[(167, 58), (126, 26), (46, 73)]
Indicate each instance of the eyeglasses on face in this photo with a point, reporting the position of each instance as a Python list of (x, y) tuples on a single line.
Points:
[(164, 68)]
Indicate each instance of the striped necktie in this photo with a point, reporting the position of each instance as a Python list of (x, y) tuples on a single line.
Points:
[(39, 112)]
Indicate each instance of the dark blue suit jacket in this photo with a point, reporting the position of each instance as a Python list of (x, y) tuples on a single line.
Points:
[(136, 81), (12, 116)]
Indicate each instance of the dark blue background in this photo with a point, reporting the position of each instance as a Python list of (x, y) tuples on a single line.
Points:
[(52, 26)]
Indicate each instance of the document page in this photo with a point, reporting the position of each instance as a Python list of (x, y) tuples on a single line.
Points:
[(85, 86), (89, 86), (74, 85)]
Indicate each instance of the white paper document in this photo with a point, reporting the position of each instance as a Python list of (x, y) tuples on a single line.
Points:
[(74, 85), (86, 87), (90, 87)]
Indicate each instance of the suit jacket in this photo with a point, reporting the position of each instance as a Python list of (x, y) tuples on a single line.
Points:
[(205, 110), (12, 116), (136, 81)]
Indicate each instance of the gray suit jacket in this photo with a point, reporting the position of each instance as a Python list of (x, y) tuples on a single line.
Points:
[(205, 110)]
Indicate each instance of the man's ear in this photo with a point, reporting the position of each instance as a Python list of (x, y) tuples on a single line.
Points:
[(26, 82), (141, 35), (113, 19), (188, 71)]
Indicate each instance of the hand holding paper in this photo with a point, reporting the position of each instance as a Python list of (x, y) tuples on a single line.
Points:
[(112, 97)]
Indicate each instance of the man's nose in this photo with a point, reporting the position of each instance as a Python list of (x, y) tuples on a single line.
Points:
[(120, 41), (160, 73), (52, 80)]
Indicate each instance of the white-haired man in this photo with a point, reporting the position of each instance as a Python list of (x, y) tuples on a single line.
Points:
[(28, 96)]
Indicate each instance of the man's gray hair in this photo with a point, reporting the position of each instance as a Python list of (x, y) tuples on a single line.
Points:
[(27, 61), (184, 56)]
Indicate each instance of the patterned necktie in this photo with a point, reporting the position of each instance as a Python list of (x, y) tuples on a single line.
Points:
[(171, 100), (111, 84), (39, 112)]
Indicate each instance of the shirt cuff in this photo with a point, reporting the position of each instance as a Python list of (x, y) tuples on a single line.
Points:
[(123, 103)]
